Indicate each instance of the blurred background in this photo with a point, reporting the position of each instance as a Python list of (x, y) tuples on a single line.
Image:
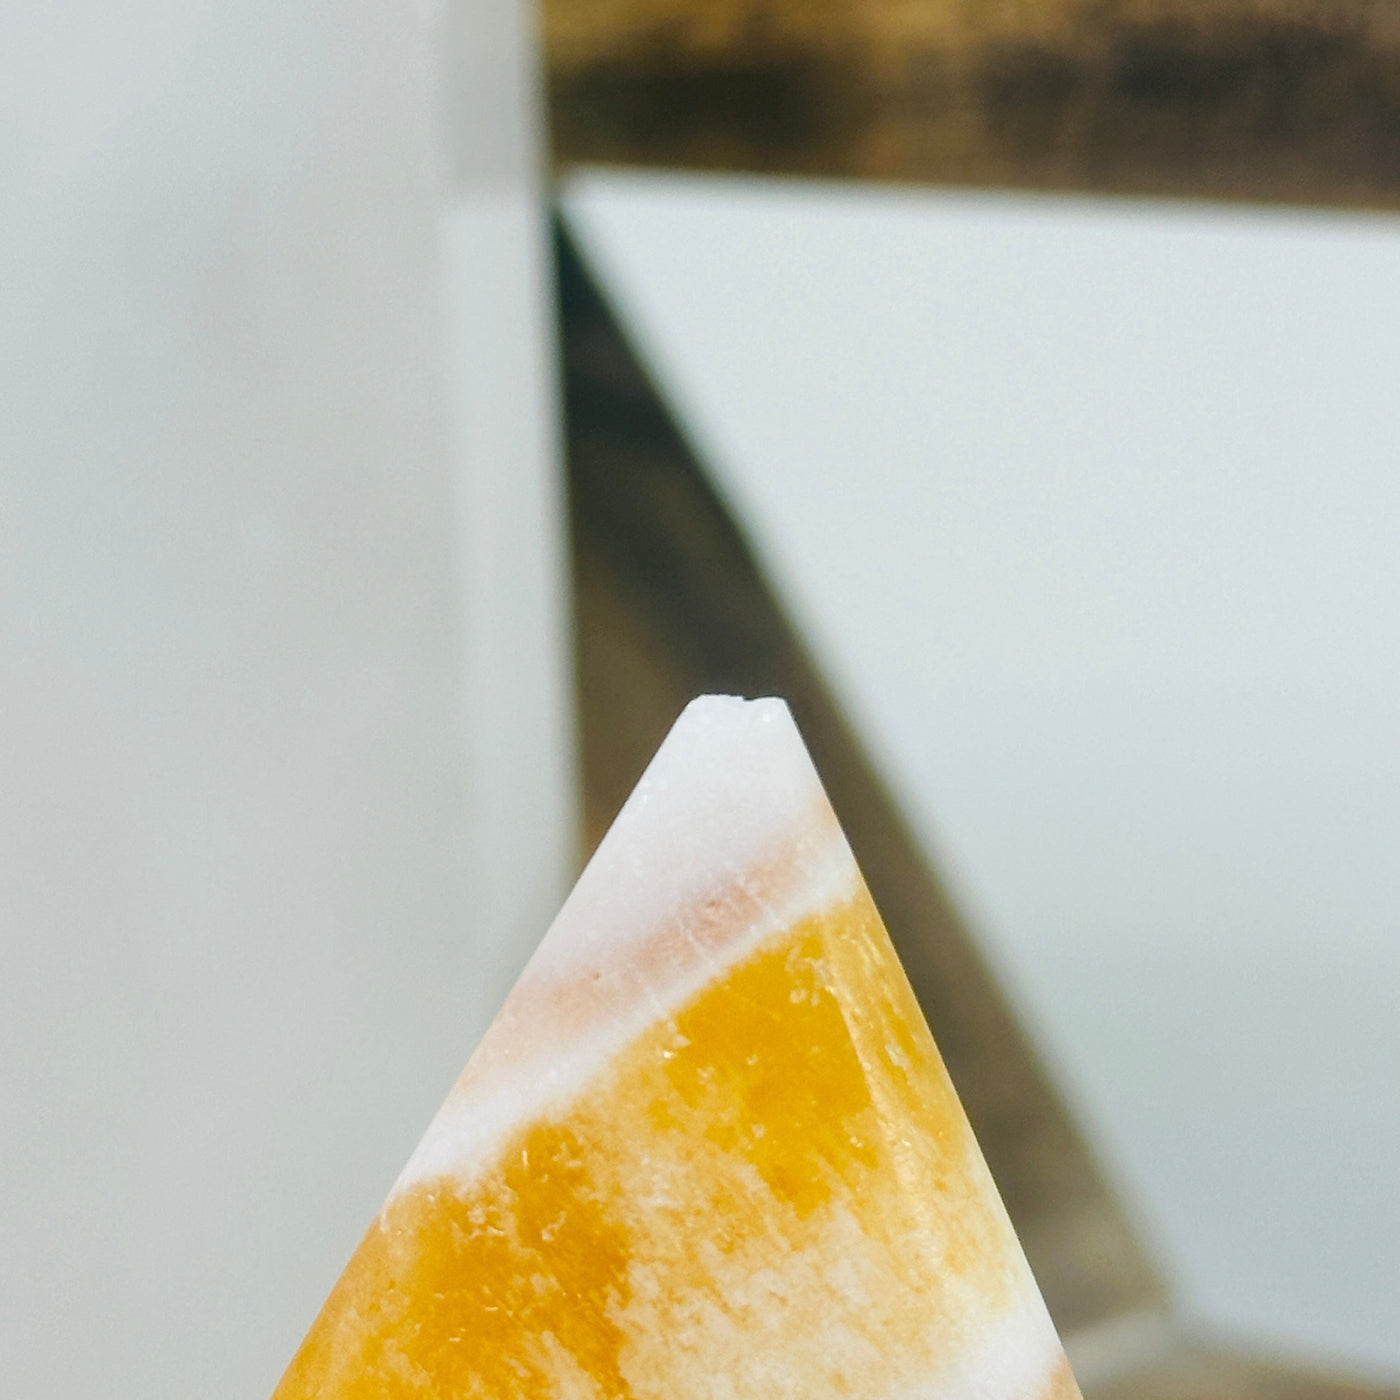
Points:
[(1090, 511), (1083, 508)]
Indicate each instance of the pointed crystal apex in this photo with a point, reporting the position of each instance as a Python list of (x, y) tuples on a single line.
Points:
[(707, 1148)]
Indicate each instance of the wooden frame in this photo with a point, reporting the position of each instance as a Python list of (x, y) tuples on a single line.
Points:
[(1283, 100)]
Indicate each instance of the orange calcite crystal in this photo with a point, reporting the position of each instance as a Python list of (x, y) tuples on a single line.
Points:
[(708, 1148)]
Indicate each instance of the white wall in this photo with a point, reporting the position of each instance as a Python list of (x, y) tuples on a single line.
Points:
[(276, 830), (1093, 511)]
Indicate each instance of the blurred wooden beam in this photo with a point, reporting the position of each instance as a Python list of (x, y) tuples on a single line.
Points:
[(1277, 100)]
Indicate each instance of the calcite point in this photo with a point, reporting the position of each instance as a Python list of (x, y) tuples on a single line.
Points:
[(707, 1149)]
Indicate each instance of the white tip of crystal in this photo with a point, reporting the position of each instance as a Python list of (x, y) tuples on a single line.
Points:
[(727, 839)]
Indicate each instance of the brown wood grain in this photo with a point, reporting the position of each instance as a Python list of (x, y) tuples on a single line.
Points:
[(1279, 100)]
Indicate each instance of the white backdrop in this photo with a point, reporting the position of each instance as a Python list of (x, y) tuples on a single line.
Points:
[(276, 828), (1093, 511)]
